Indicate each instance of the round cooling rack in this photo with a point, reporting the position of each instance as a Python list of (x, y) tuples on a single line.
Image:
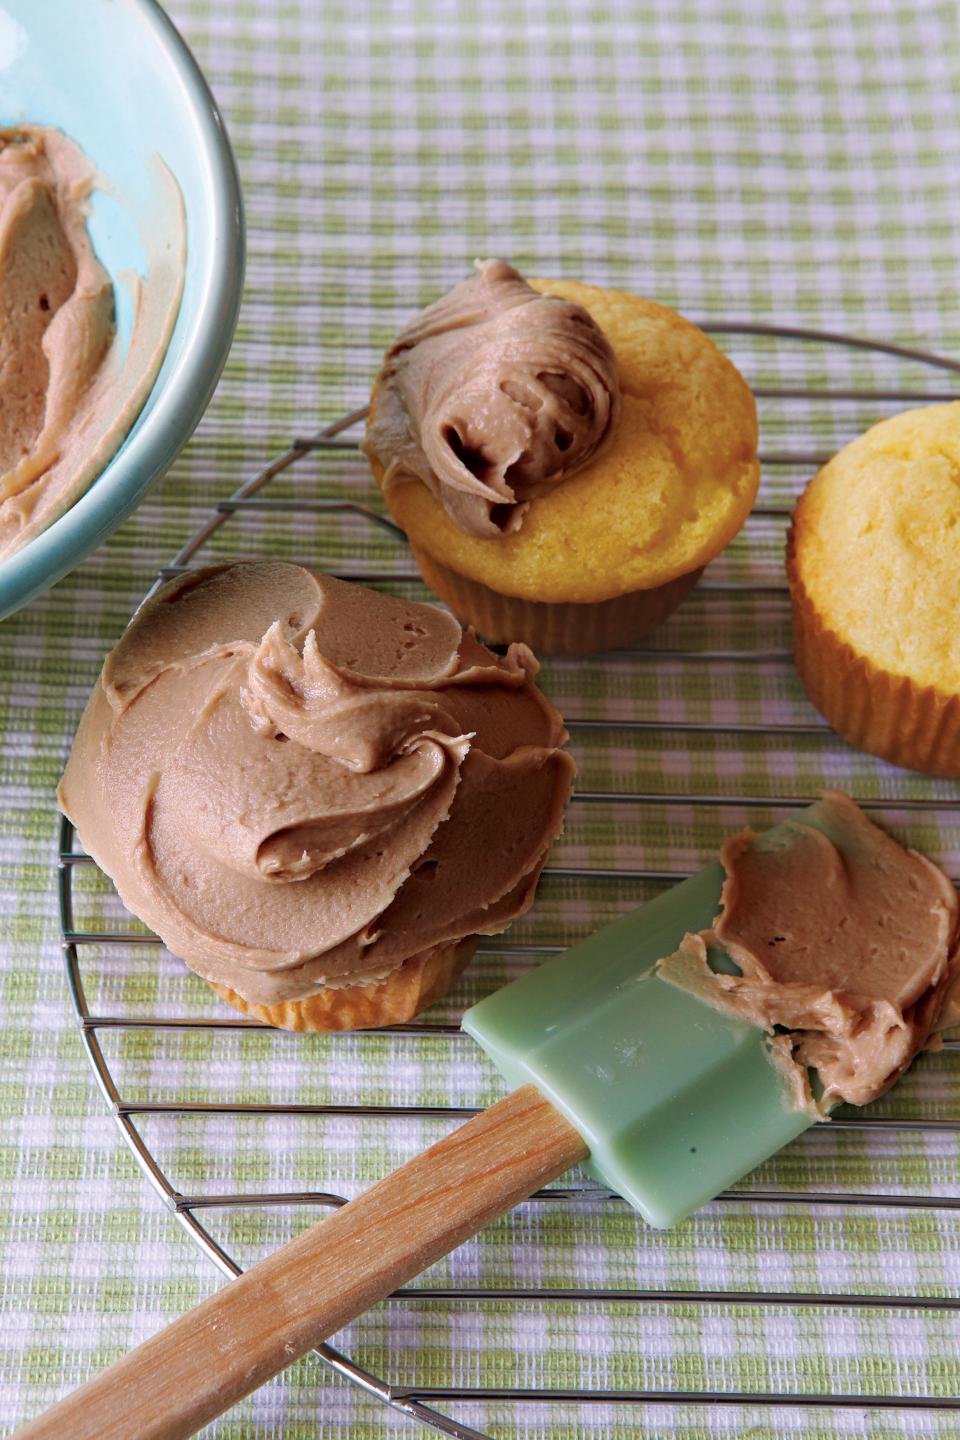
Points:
[(827, 1286)]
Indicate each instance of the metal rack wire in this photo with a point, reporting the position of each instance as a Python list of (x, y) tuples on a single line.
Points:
[(421, 1402)]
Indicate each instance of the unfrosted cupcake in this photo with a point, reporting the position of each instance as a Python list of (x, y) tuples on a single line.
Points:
[(872, 561), (564, 459), (318, 796)]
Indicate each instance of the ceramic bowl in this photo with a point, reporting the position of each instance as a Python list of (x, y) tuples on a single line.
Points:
[(116, 77)]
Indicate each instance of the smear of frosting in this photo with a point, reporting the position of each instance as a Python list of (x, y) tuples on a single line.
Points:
[(846, 945), (67, 397), (491, 396), (298, 782)]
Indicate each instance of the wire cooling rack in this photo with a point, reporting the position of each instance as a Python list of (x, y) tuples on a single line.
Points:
[(718, 676)]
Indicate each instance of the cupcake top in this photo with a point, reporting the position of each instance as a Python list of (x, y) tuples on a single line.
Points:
[(491, 396), (299, 782), (875, 545), (663, 495)]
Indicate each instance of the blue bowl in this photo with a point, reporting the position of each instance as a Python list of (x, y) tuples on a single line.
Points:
[(117, 78)]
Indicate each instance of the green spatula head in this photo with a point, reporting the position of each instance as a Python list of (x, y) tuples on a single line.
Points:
[(676, 1100)]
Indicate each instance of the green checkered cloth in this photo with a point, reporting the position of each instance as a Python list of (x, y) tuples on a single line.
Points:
[(758, 161)]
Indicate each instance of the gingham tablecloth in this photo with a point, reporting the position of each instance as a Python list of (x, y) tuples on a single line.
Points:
[(759, 160)]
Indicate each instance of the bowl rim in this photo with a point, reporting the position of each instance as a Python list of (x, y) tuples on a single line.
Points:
[(145, 455)]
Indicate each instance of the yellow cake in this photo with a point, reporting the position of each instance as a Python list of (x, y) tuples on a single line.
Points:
[(872, 561), (603, 556)]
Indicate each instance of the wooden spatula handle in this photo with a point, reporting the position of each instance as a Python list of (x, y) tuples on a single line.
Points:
[(279, 1309)]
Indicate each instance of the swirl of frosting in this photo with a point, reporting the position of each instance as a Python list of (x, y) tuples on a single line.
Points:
[(298, 782), (491, 396)]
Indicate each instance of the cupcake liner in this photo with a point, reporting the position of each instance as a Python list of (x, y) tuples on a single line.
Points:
[(417, 983), (561, 628), (916, 726)]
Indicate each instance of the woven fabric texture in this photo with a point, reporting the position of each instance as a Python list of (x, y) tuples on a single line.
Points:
[(782, 163)]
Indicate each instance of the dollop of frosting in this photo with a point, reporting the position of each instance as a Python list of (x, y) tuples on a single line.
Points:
[(67, 396), (846, 944), (491, 396), (299, 782)]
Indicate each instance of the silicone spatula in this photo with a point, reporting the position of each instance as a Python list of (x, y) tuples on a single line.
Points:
[(670, 1101)]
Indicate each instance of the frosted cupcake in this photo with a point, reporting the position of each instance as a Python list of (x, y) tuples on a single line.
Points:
[(564, 459), (318, 796), (872, 561)]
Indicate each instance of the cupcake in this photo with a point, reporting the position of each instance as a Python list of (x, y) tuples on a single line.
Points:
[(318, 796), (872, 561), (564, 459)]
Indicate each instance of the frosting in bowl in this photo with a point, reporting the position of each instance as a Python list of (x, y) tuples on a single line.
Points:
[(67, 394), (492, 396), (299, 782), (846, 947)]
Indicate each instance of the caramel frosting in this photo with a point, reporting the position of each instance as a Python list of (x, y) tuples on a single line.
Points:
[(491, 396), (67, 396), (846, 944), (299, 782)]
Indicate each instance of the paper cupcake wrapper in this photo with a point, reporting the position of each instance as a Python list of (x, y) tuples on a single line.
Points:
[(417, 983), (916, 726), (561, 628)]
